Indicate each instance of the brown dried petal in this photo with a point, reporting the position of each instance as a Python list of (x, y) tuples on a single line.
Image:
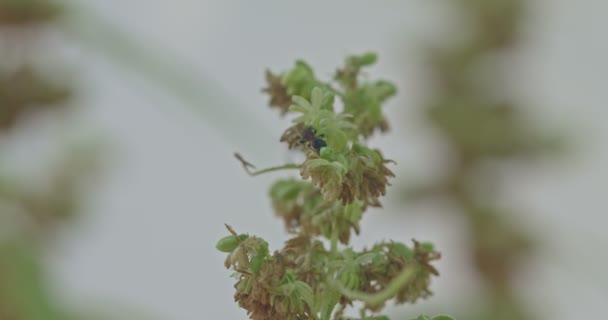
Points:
[(279, 98), (293, 135), (365, 182), (263, 300)]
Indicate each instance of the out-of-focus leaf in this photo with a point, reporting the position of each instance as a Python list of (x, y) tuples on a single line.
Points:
[(23, 292)]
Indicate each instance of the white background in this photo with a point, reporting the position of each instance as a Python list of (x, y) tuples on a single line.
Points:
[(147, 237)]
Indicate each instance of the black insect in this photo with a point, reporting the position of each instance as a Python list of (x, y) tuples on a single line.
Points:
[(309, 135)]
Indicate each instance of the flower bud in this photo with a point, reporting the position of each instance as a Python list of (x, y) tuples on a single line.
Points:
[(229, 243)]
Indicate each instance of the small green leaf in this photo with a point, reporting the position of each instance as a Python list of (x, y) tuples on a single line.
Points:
[(337, 139), (24, 289), (256, 263), (367, 59), (402, 250), (330, 154), (316, 97), (297, 108), (384, 90), (365, 151), (427, 246), (301, 102), (229, 243), (285, 189)]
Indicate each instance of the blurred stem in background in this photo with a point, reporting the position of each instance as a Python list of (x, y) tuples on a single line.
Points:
[(482, 126), (32, 211), (170, 74), (31, 214)]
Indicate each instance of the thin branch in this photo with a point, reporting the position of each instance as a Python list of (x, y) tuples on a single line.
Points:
[(249, 167), (232, 231), (401, 280)]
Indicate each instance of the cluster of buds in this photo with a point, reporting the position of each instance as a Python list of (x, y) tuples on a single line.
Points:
[(340, 178)]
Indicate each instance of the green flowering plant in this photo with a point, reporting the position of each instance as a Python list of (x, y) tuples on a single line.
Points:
[(317, 274)]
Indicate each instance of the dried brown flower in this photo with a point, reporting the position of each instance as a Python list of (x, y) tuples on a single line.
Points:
[(279, 98), (293, 135), (379, 273), (276, 292), (367, 178)]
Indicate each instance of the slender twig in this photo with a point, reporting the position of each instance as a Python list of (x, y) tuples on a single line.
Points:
[(232, 231), (249, 167)]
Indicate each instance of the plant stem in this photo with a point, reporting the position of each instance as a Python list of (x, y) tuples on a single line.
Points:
[(248, 166), (271, 169), (334, 239), (332, 294), (404, 277)]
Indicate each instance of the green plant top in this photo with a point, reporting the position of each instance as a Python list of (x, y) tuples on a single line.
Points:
[(317, 275)]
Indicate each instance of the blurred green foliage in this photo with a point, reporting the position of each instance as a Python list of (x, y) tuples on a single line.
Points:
[(32, 211), (480, 124)]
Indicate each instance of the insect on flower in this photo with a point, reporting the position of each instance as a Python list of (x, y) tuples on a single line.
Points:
[(309, 135)]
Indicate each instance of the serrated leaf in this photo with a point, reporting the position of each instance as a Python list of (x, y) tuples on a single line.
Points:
[(316, 97), (303, 103), (297, 108)]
